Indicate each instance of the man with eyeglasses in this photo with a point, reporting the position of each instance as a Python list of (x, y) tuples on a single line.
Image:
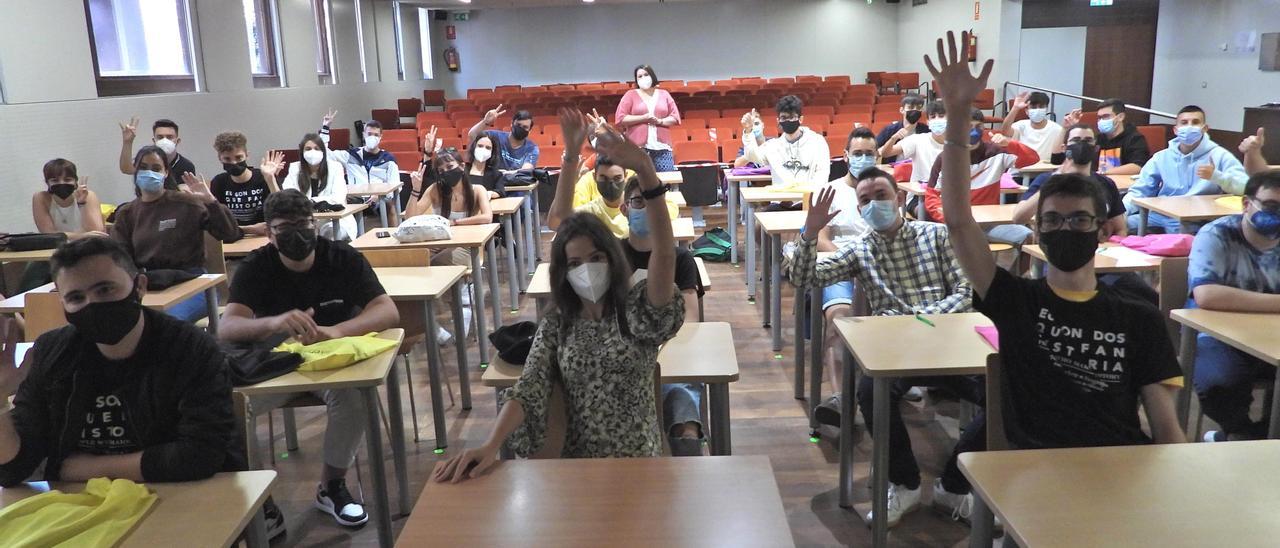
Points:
[(311, 289), (1235, 266)]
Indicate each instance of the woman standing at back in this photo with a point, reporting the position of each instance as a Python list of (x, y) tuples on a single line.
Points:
[(645, 114)]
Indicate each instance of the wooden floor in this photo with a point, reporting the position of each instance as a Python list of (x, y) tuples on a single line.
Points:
[(766, 420)]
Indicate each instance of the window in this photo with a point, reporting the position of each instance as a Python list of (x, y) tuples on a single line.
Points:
[(364, 69), (324, 43), (141, 46), (264, 57), (424, 33), (398, 38)]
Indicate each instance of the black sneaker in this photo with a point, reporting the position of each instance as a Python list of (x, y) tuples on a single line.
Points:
[(274, 518), (828, 412), (334, 499)]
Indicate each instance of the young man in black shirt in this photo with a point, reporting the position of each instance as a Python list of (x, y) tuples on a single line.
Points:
[(164, 134), (1078, 357), (1122, 150), (312, 289), (241, 188), (122, 392), (912, 110)]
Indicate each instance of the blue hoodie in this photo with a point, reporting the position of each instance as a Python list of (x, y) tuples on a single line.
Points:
[(1172, 173)]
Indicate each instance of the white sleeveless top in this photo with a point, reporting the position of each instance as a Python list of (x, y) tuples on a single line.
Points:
[(66, 219)]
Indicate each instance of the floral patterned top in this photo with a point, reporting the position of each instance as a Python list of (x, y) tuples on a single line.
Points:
[(607, 377)]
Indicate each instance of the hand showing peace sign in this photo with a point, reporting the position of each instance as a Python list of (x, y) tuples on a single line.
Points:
[(493, 114), (328, 118), (129, 130)]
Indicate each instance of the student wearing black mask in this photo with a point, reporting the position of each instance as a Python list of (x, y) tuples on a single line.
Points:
[(912, 110), (312, 289), (65, 205), (122, 392), (515, 149), (241, 188), (1080, 158)]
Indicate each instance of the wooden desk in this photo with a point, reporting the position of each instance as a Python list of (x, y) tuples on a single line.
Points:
[(993, 215), (508, 212), (775, 225), (243, 246), (477, 238), (913, 188), (749, 197), (156, 300), (335, 217), (428, 285), (532, 222), (701, 352), (209, 512), (1038, 167), (26, 256), (1253, 334), (385, 194), (707, 501), (366, 377), (1123, 182), (682, 230), (1109, 259), (953, 348), (1184, 209), (1184, 494), (671, 177)]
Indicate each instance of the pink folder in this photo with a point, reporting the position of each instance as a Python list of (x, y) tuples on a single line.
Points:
[(989, 333)]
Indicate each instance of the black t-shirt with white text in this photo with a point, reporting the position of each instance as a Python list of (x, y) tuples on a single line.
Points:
[(1074, 370), (103, 427), (245, 200), (339, 283)]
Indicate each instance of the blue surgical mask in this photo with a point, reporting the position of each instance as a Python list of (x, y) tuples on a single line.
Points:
[(1188, 135), (1266, 223), (859, 163), (1037, 115), (638, 222), (938, 126), (1106, 126), (149, 181), (975, 136), (880, 214)]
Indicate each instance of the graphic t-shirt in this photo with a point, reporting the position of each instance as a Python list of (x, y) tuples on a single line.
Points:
[(1221, 256), (245, 199), (339, 283), (1129, 147), (104, 427), (514, 158), (1074, 370)]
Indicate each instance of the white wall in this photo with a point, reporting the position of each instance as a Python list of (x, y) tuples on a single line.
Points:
[(1192, 68), (1054, 58), (998, 29), (700, 40), (47, 75)]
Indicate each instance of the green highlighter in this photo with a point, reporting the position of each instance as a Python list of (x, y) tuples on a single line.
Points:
[(925, 320)]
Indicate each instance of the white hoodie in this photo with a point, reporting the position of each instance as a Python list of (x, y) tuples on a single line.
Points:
[(806, 161)]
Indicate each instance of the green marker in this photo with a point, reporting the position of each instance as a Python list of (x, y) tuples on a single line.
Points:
[(484, 366), (439, 451), (777, 356), (813, 440), (925, 320)]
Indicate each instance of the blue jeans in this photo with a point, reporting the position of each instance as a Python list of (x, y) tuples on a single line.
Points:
[(191, 309), (663, 160), (837, 293), (1224, 381)]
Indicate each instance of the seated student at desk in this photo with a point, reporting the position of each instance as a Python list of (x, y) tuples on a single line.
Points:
[(122, 392), (241, 188), (311, 289), (65, 205), (482, 166), (598, 345), (321, 177), (905, 267), (1235, 266), (1077, 357), (798, 156), (164, 229), (1192, 165)]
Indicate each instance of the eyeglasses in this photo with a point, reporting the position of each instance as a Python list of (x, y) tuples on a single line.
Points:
[(1089, 140), (861, 154), (636, 202), (788, 118), (1268, 206), (1079, 222), (303, 224)]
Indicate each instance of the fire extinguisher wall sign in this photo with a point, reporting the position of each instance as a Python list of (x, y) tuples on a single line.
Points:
[(451, 59)]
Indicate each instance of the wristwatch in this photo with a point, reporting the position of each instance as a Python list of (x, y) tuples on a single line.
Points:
[(655, 192)]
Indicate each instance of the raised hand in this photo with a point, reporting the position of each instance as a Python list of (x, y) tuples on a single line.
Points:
[(999, 139), (1022, 101), (596, 121), (622, 151), (1253, 142), (1205, 170), (957, 85), (129, 130), (903, 133), (749, 120), (573, 125), (416, 177), (82, 190), (11, 373), (328, 117), (197, 187), (820, 214), (429, 140), (272, 162), (1072, 118), (493, 114)]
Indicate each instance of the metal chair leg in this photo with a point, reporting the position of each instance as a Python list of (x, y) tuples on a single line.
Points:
[(271, 437), (413, 407)]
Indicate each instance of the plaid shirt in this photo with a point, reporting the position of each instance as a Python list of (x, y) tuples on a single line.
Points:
[(916, 271)]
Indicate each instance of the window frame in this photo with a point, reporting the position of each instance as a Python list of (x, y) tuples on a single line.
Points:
[(323, 22), (115, 86), (424, 43), (269, 24)]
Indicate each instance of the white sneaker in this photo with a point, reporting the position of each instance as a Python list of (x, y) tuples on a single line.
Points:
[(901, 501), (443, 336), (959, 507)]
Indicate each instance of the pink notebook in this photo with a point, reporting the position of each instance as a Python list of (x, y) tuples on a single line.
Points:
[(989, 333)]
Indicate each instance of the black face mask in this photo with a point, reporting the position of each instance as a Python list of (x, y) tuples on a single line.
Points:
[(519, 132), (609, 190), (1069, 250), (108, 322), (62, 190), (1082, 152), (236, 169), (789, 126), (451, 177), (913, 116), (296, 244)]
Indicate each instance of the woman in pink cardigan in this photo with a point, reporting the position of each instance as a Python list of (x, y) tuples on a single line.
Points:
[(645, 113)]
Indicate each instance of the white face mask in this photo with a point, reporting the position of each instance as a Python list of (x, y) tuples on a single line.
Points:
[(645, 82), (590, 280), (167, 146), (371, 142), (481, 154), (313, 156), (1037, 115)]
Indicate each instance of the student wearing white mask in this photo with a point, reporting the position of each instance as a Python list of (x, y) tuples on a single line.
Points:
[(164, 135), (483, 168), (1037, 130), (591, 367), (367, 163), (321, 177), (920, 148)]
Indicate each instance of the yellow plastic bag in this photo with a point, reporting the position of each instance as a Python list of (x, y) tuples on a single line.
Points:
[(337, 353), (1234, 203), (101, 515), (107, 210)]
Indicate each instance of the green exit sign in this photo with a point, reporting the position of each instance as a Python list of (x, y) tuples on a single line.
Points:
[(461, 15), (1096, 3)]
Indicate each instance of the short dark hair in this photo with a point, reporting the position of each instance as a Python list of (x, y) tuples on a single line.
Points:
[(1116, 105), (976, 115), (70, 254), (372, 123), (790, 104), (911, 100), (1089, 127), (287, 204), (633, 185), (1191, 108), (1261, 180), (603, 161), (147, 151), (875, 173), (1076, 186), (58, 168), (935, 108), (860, 133), (164, 122), (1038, 98), (522, 115), (653, 75)]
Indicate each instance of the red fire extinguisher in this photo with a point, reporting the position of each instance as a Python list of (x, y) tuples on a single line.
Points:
[(451, 59)]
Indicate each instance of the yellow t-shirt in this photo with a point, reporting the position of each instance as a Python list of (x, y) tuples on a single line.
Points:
[(613, 216)]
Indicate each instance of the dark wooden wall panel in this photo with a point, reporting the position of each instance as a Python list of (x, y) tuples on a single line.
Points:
[(1118, 62), (1077, 13)]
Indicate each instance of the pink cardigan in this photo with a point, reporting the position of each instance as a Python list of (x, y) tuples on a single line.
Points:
[(633, 104)]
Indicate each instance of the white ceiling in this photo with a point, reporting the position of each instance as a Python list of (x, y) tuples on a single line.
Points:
[(490, 4)]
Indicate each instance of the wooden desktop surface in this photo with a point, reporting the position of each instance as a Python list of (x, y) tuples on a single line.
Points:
[(949, 347)]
